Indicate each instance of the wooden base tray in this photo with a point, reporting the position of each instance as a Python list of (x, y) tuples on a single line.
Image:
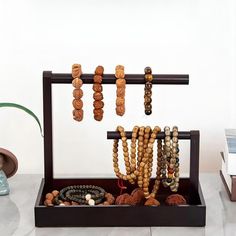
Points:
[(193, 214)]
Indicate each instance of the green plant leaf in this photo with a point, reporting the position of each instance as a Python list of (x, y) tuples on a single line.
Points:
[(25, 109)]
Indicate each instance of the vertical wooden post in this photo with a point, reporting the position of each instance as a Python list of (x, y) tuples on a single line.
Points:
[(194, 159), (47, 120)]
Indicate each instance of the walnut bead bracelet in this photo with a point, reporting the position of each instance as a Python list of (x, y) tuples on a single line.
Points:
[(77, 93), (98, 104), (120, 91)]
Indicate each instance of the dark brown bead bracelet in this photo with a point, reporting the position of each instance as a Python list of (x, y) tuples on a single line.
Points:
[(79, 193), (148, 91)]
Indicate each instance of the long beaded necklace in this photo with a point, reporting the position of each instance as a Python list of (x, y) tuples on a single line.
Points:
[(140, 173)]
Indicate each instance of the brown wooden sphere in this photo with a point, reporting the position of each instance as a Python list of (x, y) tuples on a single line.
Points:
[(97, 79), (97, 87), (77, 83), (97, 96), (77, 104), (99, 70), (78, 93)]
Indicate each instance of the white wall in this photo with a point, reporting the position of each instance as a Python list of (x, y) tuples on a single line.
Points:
[(184, 36)]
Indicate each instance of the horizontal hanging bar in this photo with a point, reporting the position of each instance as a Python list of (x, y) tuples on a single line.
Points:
[(161, 135), (58, 78)]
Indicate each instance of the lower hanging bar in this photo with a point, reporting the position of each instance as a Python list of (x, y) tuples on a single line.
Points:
[(161, 135)]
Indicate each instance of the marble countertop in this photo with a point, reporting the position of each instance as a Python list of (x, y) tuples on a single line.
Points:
[(17, 213)]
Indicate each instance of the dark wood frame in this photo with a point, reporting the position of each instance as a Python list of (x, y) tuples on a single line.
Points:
[(193, 214)]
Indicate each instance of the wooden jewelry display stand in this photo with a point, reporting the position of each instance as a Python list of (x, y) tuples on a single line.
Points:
[(193, 214)]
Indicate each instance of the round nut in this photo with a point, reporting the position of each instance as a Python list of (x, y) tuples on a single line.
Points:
[(152, 202), (49, 196), (48, 202), (55, 193)]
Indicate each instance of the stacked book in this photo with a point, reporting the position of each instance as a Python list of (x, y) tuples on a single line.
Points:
[(228, 168)]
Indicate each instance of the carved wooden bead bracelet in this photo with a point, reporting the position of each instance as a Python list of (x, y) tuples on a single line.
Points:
[(77, 93), (98, 104), (120, 92)]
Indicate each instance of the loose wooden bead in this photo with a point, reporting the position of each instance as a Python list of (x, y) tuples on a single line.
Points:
[(55, 193), (77, 93), (49, 196), (91, 202), (74, 203), (48, 203), (77, 104)]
